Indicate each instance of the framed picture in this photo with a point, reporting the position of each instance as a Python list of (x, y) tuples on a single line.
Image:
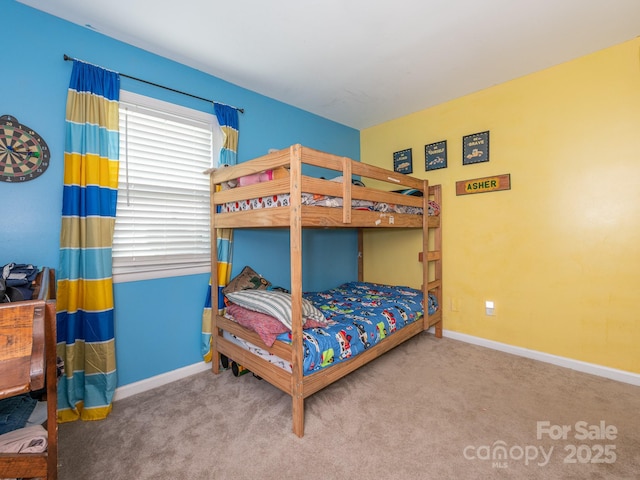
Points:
[(475, 148), (435, 155), (402, 162)]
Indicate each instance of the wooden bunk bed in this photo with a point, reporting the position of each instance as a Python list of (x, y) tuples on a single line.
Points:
[(295, 216)]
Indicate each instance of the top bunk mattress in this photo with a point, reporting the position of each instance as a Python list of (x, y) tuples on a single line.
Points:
[(283, 200)]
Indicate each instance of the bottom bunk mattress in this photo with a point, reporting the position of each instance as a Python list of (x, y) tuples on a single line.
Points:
[(358, 316)]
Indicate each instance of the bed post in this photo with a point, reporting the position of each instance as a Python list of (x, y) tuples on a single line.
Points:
[(295, 231), (215, 355), (425, 250), (437, 246)]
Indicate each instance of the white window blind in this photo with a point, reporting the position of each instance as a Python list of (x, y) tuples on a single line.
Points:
[(162, 216)]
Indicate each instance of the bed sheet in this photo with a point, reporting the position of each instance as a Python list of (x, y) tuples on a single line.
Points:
[(282, 200), (365, 313)]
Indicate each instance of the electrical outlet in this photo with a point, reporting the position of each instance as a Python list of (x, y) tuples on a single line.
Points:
[(489, 307)]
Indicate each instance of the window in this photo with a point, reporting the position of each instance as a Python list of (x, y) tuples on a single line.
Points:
[(162, 216)]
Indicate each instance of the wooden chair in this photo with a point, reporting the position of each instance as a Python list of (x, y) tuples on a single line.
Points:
[(28, 363)]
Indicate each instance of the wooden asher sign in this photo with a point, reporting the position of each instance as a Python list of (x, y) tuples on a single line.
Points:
[(485, 184)]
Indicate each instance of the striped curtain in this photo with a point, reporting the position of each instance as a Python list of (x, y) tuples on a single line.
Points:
[(228, 120), (85, 288)]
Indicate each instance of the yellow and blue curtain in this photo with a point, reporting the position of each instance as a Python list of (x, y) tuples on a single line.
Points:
[(85, 321), (228, 121)]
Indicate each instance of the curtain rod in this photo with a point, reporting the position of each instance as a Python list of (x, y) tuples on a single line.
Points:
[(241, 110)]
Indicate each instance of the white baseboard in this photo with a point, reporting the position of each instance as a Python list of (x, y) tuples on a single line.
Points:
[(159, 380), (593, 369), (611, 373)]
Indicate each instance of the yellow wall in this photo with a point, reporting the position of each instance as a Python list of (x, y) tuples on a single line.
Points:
[(559, 253)]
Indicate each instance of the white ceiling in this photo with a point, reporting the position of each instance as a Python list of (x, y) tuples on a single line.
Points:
[(360, 62)]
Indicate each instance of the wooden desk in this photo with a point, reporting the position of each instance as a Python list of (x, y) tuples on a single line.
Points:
[(28, 363)]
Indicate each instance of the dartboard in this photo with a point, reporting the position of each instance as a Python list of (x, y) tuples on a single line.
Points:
[(24, 155)]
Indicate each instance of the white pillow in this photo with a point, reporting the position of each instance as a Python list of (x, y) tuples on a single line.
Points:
[(276, 304)]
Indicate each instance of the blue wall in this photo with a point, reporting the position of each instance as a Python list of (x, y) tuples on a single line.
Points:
[(157, 321)]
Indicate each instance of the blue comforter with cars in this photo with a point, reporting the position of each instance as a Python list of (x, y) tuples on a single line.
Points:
[(364, 314)]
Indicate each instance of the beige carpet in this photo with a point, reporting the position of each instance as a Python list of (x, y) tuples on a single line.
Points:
[(428, 409)]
